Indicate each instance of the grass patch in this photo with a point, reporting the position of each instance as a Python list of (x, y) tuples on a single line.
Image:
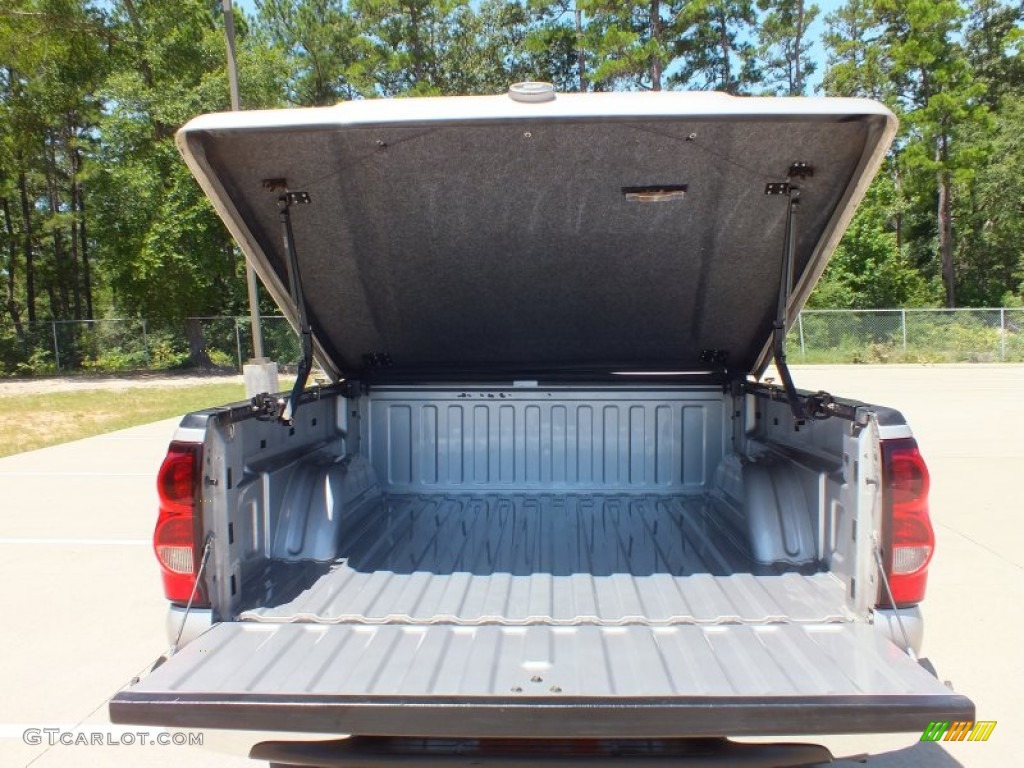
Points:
[(40, 420)]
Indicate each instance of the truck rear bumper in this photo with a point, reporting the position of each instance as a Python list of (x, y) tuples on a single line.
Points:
[(886, 622), (372, 752), (183, 626)]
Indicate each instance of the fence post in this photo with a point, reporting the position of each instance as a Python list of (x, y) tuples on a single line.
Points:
[(800, 326), (903, 318), (238, 347), (1002, 334), (145, 344), (56, 346)]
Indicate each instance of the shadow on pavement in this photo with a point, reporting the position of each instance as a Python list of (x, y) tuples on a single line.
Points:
[(923, 755)]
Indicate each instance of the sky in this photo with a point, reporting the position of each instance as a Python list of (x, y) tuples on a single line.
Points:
[(817, 30)]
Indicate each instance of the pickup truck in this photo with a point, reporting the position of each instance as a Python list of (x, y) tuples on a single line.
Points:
[(545, 506)]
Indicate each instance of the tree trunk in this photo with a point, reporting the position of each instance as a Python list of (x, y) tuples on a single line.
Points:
[(416, 45), (83, 242), (75, 244), (66, 268), (54, 303), (86, 269), (59, 259), (26, 239), (945, 222), (581, 54), (198, 355), (898, 185), (656, 39), (796, 85), (75, 281), (723, 40), (12, 263)]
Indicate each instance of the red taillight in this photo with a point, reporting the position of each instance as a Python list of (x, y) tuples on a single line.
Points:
[(909, 540), (179, 526)]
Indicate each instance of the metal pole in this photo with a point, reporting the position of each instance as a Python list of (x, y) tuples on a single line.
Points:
[(56, 346), (903, 315), (800, 326), (254, 311), (145, 344), (229, 31), (238, 346), (1002, 334), (250, 273)]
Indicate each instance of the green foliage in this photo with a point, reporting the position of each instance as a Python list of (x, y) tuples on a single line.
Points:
[(15, 355), (907, 336), (221, 359), (172, 258), (40, 362), (868, 269), (555, 49), (408, 43), (716, 52), (990, 257), (167, 351), (994, 42), (325, 54), (632, 42), (492, 48), (910, 55), (857, 63), (52, 60), (113, 360), (98, 214), (784, 45)]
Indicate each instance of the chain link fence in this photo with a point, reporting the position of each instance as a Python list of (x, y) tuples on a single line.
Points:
[(118, 345), (819, 336), (908, 336)]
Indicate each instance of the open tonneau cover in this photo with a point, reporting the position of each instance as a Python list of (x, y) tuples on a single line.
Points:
[(542, 681), (583, 236)]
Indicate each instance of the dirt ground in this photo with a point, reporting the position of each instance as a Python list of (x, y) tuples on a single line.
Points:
[(47, 384)]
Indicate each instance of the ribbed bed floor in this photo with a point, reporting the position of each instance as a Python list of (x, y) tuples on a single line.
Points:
[(520, 559)]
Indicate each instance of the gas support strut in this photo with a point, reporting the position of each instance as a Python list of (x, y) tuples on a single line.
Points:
[(266, 405), (820, 403)]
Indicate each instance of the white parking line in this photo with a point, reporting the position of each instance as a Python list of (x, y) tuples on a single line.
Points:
[(17, 730), (16, 473), (78, 542)]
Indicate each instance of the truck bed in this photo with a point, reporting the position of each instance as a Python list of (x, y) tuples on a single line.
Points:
[(561, 559), (468, 566)]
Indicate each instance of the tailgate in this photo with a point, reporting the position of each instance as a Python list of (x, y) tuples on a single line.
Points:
[(542, 681)]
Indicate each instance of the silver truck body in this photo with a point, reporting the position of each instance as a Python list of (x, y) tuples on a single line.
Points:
[(545, 498)]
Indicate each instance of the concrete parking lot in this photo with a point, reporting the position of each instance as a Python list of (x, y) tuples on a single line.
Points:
[(83, 612)]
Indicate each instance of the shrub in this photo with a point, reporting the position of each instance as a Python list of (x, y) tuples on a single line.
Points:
[(167, 351), (40, 362), (115, 360)]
